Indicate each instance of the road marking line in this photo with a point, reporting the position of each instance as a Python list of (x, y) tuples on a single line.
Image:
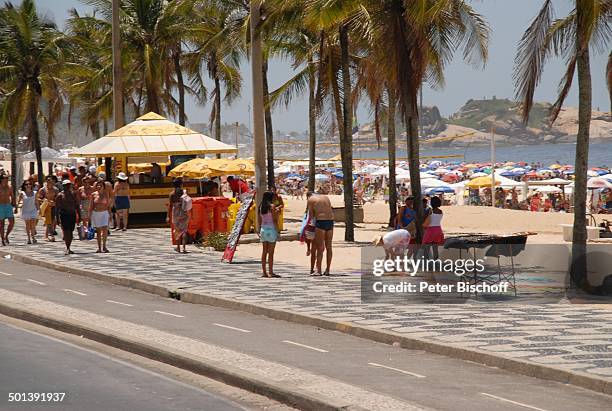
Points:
[(35, 282), (397, 369), (120, 303), (173, 315), (7, 274), (305, 346), (520, 404), (232, 328), (74, 292)]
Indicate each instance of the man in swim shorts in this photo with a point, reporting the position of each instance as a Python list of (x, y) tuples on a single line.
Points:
[(7, 203), (320, 209)]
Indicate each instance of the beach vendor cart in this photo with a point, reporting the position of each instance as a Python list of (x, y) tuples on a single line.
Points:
[(151, 139)]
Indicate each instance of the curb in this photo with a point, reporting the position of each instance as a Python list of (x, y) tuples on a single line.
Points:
[(517, 366), (223, 373)]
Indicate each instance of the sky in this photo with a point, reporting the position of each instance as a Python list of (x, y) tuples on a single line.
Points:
[(508, 20)]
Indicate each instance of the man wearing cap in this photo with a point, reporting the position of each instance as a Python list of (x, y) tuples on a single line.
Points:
[(7, 202), (122, 200), (67, 207)]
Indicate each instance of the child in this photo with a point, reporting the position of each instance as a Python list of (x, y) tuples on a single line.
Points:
[(268, 233)]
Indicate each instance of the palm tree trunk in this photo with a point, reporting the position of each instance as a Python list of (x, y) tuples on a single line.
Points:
[(35, 135), (411, 121), (346, 141), (269, 128), (258, 100), (391, 152), (579, 237), (13, 147), (312, 126), (180, 85), (217, 103)]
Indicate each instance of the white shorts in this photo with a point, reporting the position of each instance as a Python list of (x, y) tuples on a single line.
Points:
[(99, 219)]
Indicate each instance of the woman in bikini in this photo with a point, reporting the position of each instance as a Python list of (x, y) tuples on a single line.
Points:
[(99, 207)]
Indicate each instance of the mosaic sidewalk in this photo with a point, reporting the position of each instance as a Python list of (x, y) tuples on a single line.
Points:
[(570, 337)]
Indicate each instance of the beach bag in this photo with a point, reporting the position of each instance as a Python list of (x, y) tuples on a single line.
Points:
[(411, 227), (43, 208), (91, 233), (82, 232), (186, 202)]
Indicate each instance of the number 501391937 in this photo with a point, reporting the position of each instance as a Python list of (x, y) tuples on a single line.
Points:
[(36, 396)]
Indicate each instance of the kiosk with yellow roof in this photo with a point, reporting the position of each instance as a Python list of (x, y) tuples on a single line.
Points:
[(152, 139)]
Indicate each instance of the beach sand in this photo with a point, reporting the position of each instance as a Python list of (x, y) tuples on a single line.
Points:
[(457, 219)]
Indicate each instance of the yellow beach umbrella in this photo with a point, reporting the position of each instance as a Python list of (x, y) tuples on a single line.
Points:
[(226, 166), (481, 182), (196, 168)]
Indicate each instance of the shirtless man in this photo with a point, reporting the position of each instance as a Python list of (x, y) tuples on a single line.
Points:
[(49, 192), (7, 202), (319, 208), (122, 200)]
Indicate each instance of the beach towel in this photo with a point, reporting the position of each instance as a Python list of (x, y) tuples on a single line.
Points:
[(302, 235)]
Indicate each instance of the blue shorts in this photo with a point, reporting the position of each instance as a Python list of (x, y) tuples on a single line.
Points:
[(122, 202), (324, 224), (6, 211), (268, 234)]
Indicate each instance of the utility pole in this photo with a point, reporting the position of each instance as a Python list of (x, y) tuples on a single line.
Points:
[(493, 167), (259, 137), (236, 130)]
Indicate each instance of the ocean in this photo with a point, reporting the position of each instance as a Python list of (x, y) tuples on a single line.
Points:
[(600, 154)]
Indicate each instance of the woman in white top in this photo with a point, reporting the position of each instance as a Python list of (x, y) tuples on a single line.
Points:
[(29, 209), (433, 226)]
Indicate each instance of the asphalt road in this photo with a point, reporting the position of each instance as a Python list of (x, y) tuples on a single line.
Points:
[(418, 377), (34, 363)]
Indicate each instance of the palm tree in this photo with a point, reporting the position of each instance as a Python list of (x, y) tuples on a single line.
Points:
[(88, 74), (588, 25), (300, 44), (30, 63), (216, 48), (336, 19), (413, 42)]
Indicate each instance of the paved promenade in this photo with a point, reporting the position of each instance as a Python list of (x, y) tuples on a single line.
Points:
[(574, 338)]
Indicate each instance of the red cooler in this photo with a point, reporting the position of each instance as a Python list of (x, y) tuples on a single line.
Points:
[(221, 215)]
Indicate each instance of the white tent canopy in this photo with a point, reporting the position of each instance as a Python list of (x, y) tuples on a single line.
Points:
[(152, 135), (549, 182), (48, 154)]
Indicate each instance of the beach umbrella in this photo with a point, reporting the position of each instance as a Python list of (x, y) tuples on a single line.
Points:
[(430, 183), (470, 165), (438, 190), (450, 178), (592, 173), (549, 189), (481, 182), (554, 166), (321, 177), (531, 174), (607, 177), (602, 172), (598, 182), (196, 169), (518, 171), (479, 174), (440, 171)]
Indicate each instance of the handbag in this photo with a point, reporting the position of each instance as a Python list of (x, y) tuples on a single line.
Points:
[(91, 233)]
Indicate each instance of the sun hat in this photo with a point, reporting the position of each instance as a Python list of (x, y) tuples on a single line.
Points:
[(122, 176), (66, 182)]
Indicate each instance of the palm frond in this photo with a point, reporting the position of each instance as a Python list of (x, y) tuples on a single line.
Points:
[(530, 58)]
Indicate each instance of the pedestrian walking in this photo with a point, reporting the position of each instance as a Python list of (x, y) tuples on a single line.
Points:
[(68, 211), (320, 209), (29, 209), (99, 207), (7, 202)]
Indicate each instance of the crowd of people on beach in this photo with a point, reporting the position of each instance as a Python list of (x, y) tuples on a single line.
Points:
[(76, 198)]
